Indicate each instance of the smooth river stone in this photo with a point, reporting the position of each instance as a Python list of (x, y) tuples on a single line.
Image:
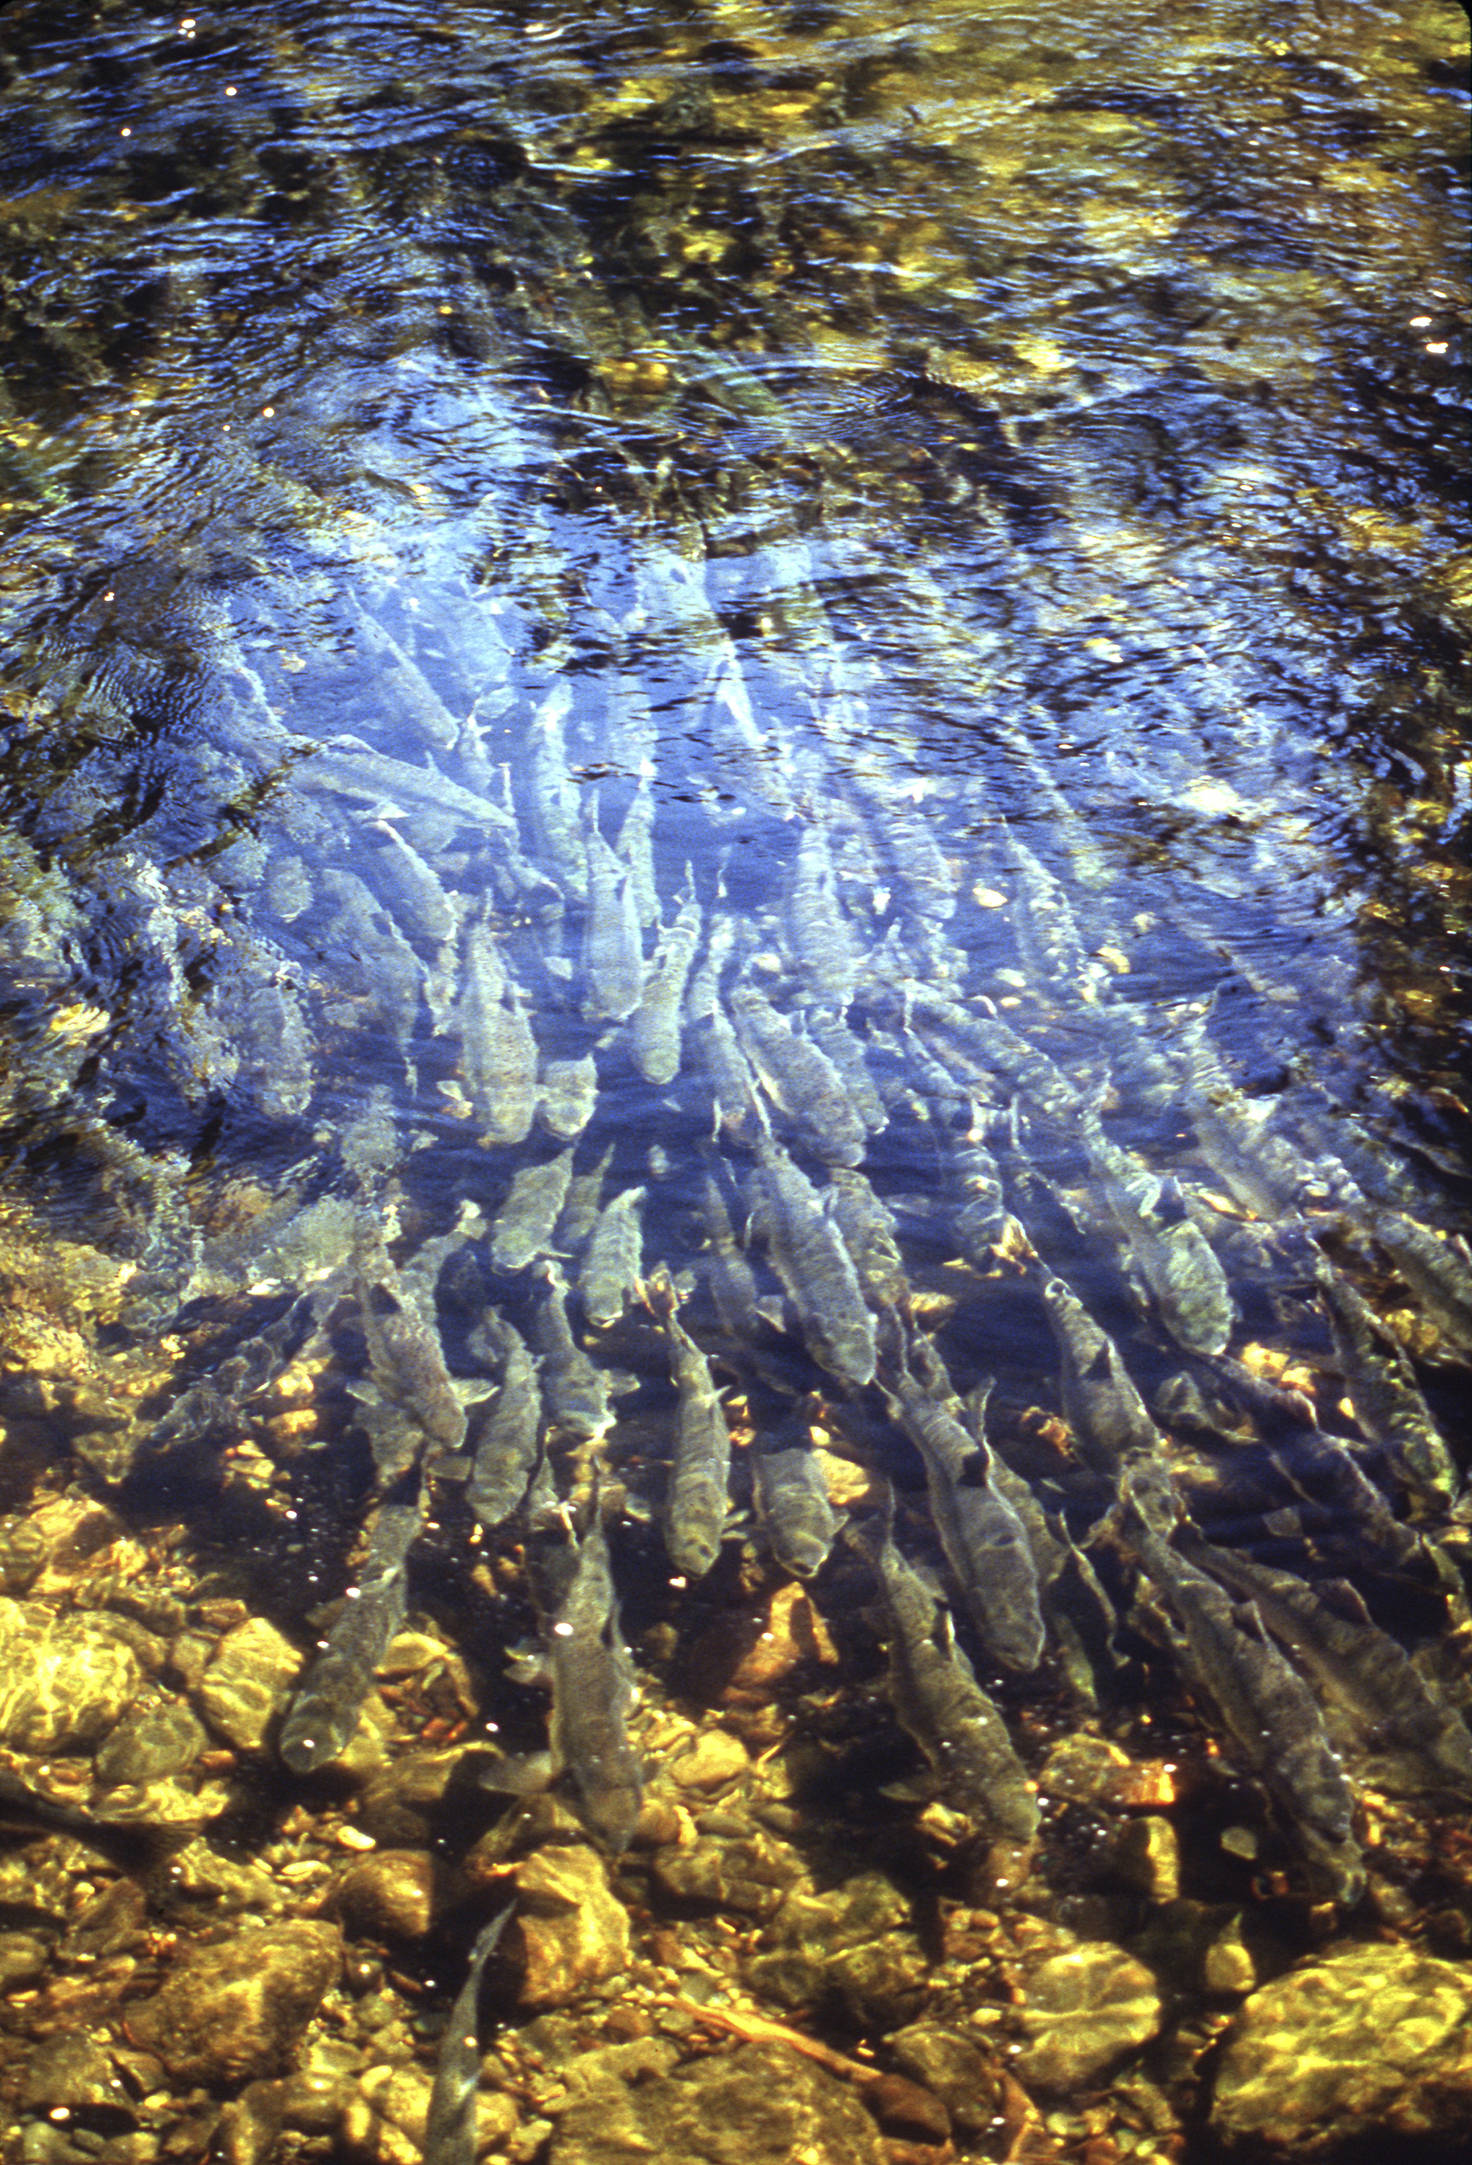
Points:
[(246, 1684), (65, 1681), (1085, 2009), (235, 2009), (758, 2105), (1365, 2046)]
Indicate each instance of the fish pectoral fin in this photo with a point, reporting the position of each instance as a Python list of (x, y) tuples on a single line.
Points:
[(528, 1664)]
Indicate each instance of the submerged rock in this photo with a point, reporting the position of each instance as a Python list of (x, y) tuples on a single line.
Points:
[(65, 1681), (245, 1686), (758, 2105), (574, 1930), (1085, 2009), (234, 2009), (150, 1743), (854, 1945), (1364, 2045), (388, 1896)]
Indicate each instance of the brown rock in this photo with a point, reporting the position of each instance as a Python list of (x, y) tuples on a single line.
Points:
[(390, 1895), (247, 1682), (234, 2010), (574, 1932), (715, 1758), (904, 2110), (758, 2105), (1363, 2046), (1085, 2009)]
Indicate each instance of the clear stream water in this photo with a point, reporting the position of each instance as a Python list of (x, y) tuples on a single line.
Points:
[(947, 523)]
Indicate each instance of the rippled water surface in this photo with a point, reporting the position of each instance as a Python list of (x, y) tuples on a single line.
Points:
[(734, 1146)]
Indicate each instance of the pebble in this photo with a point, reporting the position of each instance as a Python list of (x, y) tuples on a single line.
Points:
[(390, 1895), (66, 1680), (574, 1931), (230, 1888), (1085, 2008), (400, 1803), (234, 2009), (714, 1759), (246, 1684), (23, 1959), (1146, 1855), (1362, 2047)]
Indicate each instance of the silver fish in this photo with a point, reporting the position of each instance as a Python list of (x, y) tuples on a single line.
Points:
[(656, 1028), (1266, 1708), (1383, 1391), (808, 1254), (792, 1497), (449, 2127), (610, 1269), (937, 1700), (613, 947), (323, 1717), (509, 1444), (696, 1499), (985, 1542), (593, 1692), (1174, 1257), (498, 1050), (799, 1078), (527, 1219), (567, 1096)]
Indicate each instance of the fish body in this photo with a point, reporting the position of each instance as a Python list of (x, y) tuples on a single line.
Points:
[(1266, 1708), (1108, 1417), (1383, 1391), (1437, 1271), (937, 1700), (527, 1219), (731, 1278), (871, 1236), (406, 1360), (732, 1086), (509, 1444), (323, 1717), (696, 1500), (575, 1390), (792, 1497), (808, 1254), (567, 1096), (799, 1079), (1048, 942), (1361, 1669), (554, 800), (498, 1050), (819, 934), (593, 1693), (613, 944), (1174, 1257), (984, 1540), (610, 1269), (656, 1030), (845, 1050), (449, 2127), (635, 847)]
